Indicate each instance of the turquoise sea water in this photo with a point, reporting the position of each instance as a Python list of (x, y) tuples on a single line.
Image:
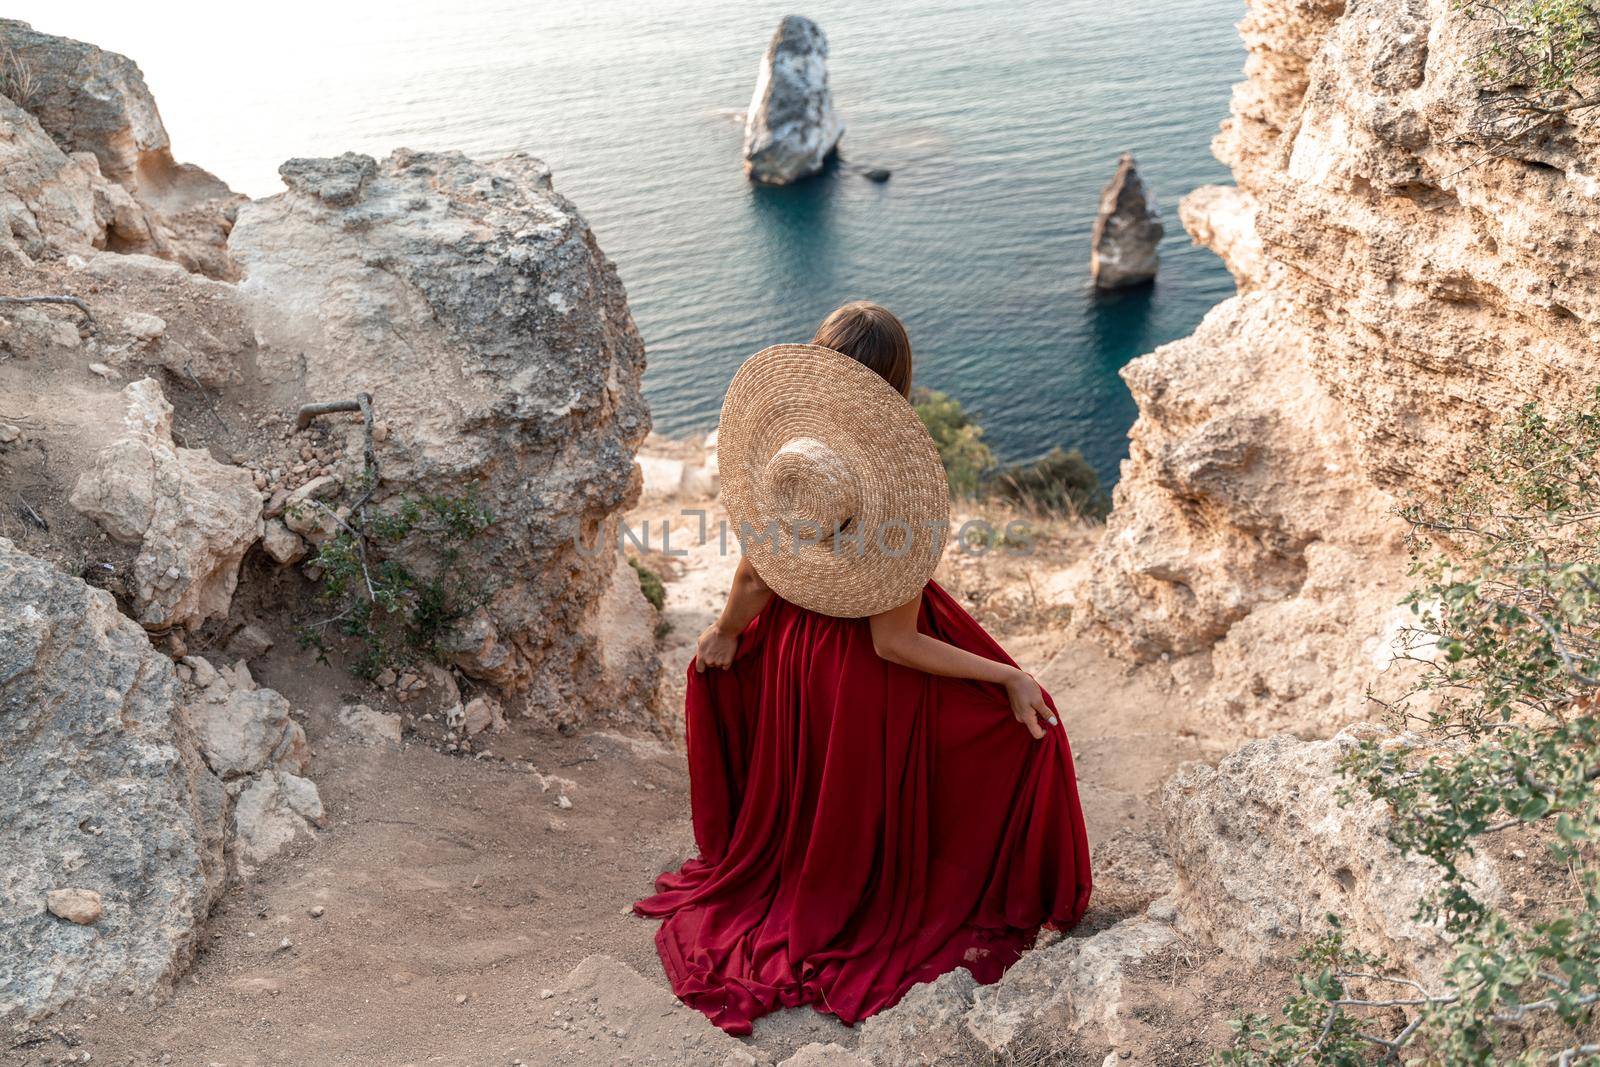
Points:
[(1001, 119)]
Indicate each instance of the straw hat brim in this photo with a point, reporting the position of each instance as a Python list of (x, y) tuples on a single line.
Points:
[(809, 436)]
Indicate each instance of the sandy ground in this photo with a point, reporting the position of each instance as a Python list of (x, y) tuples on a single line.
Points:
[(456, 893)]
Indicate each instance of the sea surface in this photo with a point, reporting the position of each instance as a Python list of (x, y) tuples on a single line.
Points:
[(1001, 120)]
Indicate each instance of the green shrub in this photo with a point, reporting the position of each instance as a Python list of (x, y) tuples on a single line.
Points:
[(1507, 639), (1062, 483), (1537, 45), (960, 441), (398, 614), (650, 584)]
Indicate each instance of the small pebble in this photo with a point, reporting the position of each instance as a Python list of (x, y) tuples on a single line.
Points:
[(81, 906), (562, 802), (461, 998), (317, 912)]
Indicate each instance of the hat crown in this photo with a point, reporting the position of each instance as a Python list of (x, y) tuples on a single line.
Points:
[(833, 482), (811, 487)]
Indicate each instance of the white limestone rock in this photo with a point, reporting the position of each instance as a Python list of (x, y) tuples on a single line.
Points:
[(244, 730), (1265, 851), (369, 726), (1078, 980), (273, 811)]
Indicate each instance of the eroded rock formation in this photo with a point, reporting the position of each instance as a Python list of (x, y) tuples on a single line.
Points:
[(791, 128), (50, 201), (138, 786), (471, 300), (96, 107), (1124, 247)]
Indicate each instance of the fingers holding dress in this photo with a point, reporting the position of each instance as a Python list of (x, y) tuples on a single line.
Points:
[(714, 650)]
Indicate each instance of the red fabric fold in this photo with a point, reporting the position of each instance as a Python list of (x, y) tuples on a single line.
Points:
[(862, 827)]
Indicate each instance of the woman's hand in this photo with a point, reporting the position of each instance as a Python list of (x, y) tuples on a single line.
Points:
[(715, 649), (1027, 703)]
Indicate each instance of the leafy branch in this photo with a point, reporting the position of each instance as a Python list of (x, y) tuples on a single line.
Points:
[(1532, 58)]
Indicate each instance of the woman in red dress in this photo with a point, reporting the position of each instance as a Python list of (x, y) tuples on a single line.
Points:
[(879, 793)]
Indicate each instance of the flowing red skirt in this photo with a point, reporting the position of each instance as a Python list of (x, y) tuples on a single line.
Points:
[(862, 826)]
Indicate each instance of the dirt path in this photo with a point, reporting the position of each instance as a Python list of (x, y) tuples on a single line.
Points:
[(457, 895)]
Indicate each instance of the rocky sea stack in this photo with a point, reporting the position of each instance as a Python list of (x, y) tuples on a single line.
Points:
[(791, 128), (1127, 232)]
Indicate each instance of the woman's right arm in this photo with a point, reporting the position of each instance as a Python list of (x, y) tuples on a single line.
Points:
[(896, 638), (747, 597)]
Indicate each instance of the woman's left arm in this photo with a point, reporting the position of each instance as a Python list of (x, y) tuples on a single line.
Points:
[(896, 638)]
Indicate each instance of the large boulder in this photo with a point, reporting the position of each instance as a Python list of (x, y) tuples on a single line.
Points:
[(791, 128), (192, 517), (95, 103), (1265, 851), (474, 305), (1125, 243), (101, 791)]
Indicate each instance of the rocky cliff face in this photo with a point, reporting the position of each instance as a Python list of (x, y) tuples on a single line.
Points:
[(469, 299), (100, 792), (1405, 279)]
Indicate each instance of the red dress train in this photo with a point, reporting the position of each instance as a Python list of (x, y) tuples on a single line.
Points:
[(862, 826)]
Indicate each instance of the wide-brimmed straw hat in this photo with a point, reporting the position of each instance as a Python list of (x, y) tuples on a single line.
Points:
[(832, 484)]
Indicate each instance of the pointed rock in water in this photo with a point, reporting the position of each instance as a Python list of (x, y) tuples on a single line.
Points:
[(1127, 232), (791, 128), (876, 174)]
